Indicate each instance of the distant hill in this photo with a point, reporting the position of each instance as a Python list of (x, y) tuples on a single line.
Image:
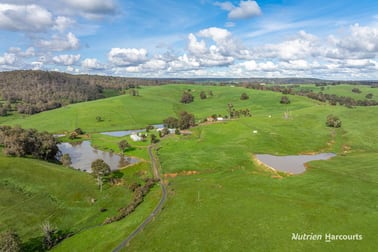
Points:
[(31, 92)]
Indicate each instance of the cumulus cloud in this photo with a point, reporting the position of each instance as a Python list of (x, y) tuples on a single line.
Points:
[(246, 9), (66, 59), (58, 43), (30, 18), (29, 52), (360, 42), (62, 23), (302, 46), (92, 64), (196, 47), (127, 56), (182, 63), (8, 59)]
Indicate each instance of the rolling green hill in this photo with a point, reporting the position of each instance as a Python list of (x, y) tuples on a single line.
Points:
[(152, 106), (220, 199)]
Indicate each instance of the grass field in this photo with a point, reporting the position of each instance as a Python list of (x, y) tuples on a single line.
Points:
[(230, 203), (152, 106), (246, 208), (34, 192)]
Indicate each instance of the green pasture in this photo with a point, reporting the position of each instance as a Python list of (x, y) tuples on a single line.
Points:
[(34, 192), (341, 90), (231, 203), (152, 106)]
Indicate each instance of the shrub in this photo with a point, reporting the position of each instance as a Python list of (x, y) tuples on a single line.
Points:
[(333, 121), (244, 96), (285, 100)]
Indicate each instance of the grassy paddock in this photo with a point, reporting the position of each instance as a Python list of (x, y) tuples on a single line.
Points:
[(229, 203), (33, 192)]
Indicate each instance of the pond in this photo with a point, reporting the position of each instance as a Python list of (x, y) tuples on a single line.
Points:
[(291, 164), (128, 132), (83, 154)]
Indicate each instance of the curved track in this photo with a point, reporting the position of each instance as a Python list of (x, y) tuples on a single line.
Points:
[(157, 208)]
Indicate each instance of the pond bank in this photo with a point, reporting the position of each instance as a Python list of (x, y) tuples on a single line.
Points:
[(83, 154), (294, 164)]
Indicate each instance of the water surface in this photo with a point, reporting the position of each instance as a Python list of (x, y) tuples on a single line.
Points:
[(128, 132), (83, 154), (292, 164)]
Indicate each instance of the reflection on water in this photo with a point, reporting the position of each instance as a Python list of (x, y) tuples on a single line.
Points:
[(83, 154), (291, 164)]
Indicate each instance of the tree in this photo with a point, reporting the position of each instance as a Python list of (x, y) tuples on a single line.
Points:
[(79, 131), (369, 96), (154, 139), (244, 96), (356, 90), (100, 169), (333, 121), (66, 160), (187, 97), (73, 135), (186, 120), (123, 145), (10, 242), (171, 122), (285, 100), (203, 95), (149, 127), (20, 142)]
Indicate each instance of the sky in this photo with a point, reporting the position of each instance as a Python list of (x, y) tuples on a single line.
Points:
[(326, 39)]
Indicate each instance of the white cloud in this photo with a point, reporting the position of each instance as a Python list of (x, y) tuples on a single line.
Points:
[(92, 64), (62, 23), (183, 63), (29, 52), (66, 59), (219, 35), (155, 64), (29, 18), (360, 42), (37, 65), (8, 59), (127, 56), (57, 43), (196, 47), (246, 9)]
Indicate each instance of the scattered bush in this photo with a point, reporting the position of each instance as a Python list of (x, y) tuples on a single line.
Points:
[(10, 241), (244, 96), (139, 193), (285, 100), (187, 97), (333, 121)]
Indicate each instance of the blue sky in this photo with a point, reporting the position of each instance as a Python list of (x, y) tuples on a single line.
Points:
[(197, 38)]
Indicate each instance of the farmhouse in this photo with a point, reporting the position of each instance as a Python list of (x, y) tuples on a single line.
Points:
[(135, 137)]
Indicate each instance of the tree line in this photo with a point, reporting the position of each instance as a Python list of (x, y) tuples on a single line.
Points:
[(21, 142), (30, 92), (320, 96)]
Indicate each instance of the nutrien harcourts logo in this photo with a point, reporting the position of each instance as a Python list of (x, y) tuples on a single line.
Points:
[(327, 237)]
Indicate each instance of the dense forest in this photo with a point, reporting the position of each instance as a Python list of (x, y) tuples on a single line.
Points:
[(31, 92)]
